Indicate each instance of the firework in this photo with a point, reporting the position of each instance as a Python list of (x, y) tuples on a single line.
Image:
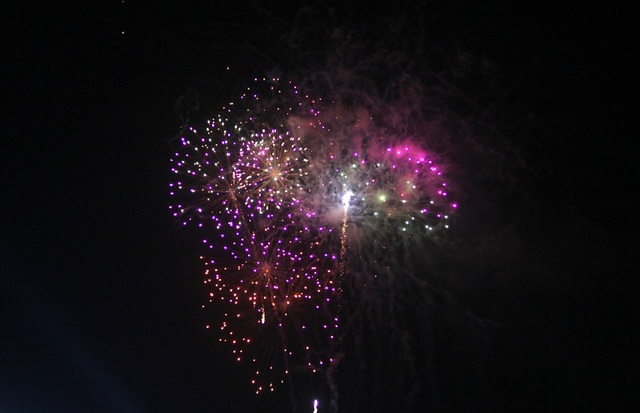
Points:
[(282, 194)]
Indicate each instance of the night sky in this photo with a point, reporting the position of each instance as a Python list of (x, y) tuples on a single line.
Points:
[(101, 292)]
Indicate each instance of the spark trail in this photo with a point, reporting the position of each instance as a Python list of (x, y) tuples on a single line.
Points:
[(343, 239)]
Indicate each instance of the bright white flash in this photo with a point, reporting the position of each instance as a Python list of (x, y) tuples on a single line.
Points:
[(345, 199), (315, 406)]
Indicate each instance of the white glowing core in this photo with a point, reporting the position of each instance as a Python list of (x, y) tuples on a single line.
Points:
[(345, 199)]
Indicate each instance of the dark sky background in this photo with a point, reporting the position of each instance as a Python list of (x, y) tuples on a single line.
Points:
[(100, 307)]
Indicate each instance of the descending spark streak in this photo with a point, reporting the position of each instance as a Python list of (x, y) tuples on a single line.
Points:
[(343, 240)]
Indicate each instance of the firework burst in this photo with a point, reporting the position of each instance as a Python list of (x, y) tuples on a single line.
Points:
[(283, 194)]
